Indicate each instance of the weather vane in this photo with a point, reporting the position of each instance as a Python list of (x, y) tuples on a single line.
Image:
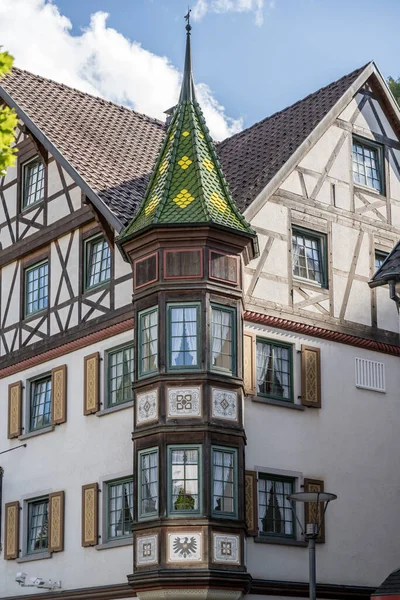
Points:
[(187, 18)]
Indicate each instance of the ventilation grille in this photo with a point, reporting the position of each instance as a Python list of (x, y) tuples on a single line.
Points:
[(370, 375)]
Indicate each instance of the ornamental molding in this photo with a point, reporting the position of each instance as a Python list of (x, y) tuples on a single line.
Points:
[(184, 547), (226, 549), (184, 402), (224, 404), (146, 550), (190, 594), (147, 406)]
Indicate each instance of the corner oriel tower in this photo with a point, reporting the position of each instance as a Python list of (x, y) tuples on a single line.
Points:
[(187, 245)]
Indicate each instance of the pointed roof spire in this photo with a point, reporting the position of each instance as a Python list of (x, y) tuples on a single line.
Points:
[(187, 90)]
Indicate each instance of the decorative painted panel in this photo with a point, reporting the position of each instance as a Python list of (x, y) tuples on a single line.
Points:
[(147, 406), (226, 548), (184, 547), (146, 550), (224, 404), (184, 402)]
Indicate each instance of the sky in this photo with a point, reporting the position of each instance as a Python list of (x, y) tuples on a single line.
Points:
[(251, 58)]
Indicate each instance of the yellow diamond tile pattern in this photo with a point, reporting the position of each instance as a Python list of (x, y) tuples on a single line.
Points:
[(185, 162), (208, 164), (152, 205), (183, 199), (186, 133), (219, 203), (163, 166)]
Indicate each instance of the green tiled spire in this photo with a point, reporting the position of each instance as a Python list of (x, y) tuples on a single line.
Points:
[(187, 184)]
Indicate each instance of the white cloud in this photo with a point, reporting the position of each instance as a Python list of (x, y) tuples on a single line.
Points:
[(99, 61), (202, 7)]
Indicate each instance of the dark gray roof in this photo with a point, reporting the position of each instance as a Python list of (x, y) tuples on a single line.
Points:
[(389, 270), (390, 586)]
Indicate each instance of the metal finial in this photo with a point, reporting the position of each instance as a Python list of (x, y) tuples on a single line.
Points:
[(187, 18)]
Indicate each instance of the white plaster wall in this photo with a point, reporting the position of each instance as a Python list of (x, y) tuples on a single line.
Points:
[(81, 451)]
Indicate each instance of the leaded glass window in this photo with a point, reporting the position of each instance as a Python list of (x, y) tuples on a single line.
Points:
[(148, 341), (274, 370), (120, 376), (40, 408), (148, 483), (366, 165), (36, 288), (33, 182), (38, 523), (120, 509), (274, 509), (183, 332), (222, 338), (184, 467), (224, 484), (98, 262), (308, 259)]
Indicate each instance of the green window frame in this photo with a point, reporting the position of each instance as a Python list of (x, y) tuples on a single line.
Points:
[(148, 484), (380, 258), (40, 402), (275, 514), (274, 370), (309, 260), (223, 339), (38, 525), (36, 288), (120, 375), (97, 261), (148, 342), (33, 175), (183, 335), (224, 482), (368, 164), (185, 480), (119, 513)]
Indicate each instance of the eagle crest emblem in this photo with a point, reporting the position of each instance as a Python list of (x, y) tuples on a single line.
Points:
[(185, 548)]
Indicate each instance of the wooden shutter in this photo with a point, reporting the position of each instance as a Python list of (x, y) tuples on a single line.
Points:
[(11, 537), (310, 376), (91, 391), (14, 409), (56, 522), (251, 502), (59, 394), (89, 514), (313, 510), (249, 363)]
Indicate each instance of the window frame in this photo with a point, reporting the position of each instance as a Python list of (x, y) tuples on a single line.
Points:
[(380, 255), (169, 307), (142, 374), (32, 383), (28, 504), (381, 167), (232, 310), (106, 509), (108, 355), (86, 267), (279, 478), (153, 514), (322, 246), (290, 348), (184, 513), (222, 514), (27, 270), (33, 159)]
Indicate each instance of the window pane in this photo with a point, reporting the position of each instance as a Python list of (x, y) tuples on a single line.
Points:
[(366, 167), (98, 262), (275, 513), (33, 183), (185, 479), (222, 336), (224, 481), (307, 260), (120, 376), (37, 288), (38, 526), (148, 483), (274, 370), (149, 342), (120, 509), (40, 413), (183, 332), (380, 257)]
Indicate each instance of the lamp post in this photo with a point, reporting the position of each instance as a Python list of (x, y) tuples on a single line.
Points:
[(312, 530)]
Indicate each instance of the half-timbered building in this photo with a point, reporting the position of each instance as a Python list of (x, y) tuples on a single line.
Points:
[(147, 448)]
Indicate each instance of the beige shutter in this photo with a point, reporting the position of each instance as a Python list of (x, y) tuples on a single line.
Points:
[(91, 391), (249, 363), (251, 502), (14, 409), (56, 522), (89, 514), (59, 394), (310, 376), (11, 537), (313, 511)]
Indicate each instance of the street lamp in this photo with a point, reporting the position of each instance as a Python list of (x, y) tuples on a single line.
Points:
[(312, 530)]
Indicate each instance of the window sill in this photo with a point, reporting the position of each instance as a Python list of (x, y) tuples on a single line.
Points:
[(280, 541), (371, 190), (26, 436), (35, 315), (128, 541), (299, 281), (96, 288), (111, 409), (273, 402), (31, 557)]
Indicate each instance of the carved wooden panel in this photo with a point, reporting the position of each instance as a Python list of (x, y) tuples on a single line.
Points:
[(14, 409), (11, 537), (251, 502), (59, 394), (56, 522), (224, 267), (310, 376), (91, 384), (313, 510), (182, 264), (89, 514), (249, 362)]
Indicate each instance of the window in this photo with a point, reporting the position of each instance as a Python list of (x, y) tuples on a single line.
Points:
[(38, 523), (274, 510), (148, 341), (119, 509), (224, 482), (274, 370), (33, 182), (148, 483), (367, 164), (184, 480), (380, 258), (36, 288), (40, 403), (223, 338), (309, 256), (120, 376), (97, 262), (183, 336)]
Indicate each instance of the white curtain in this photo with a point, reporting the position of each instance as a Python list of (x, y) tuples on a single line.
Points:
[(191, 332), (218, 480), (38, 526), (296, 255), (216, 335), (149, 483), (263, 355)]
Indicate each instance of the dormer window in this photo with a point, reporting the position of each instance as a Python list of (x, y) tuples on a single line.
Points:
[(33, 182), (367, 164)]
